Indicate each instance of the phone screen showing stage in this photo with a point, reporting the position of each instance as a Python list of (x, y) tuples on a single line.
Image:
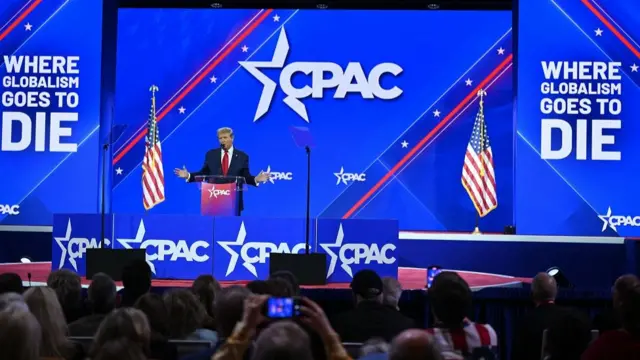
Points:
[(279, 308), (431, 274)]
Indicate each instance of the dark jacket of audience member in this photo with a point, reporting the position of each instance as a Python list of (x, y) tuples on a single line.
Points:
[(101, 301), (68, 289), (136, 280), (568, 337), (370, 318), (10, 283)]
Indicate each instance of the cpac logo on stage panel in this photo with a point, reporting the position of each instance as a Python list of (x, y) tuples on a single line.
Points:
[(253, 252), (324, 75), (278, 175), (613, 221), (165, 250), (9, 209), (213, 192), (356, 254), (347, 178), (74, 248)]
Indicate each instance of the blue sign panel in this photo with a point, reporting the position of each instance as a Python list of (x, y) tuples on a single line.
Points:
[(177, 246), (243, 245), (354, 245), (73, 234)]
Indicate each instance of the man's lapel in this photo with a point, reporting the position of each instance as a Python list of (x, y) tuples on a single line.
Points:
[(234, 160)]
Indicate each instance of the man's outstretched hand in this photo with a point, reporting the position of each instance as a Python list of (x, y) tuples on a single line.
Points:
[(262, 177), (182, 173)]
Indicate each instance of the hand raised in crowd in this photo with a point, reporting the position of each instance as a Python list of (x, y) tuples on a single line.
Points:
[(312, 315), (252, 315)]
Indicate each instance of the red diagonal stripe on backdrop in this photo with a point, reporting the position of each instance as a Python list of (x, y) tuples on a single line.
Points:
[(429, 136), (193, 84), (19, 19), (611, 28)]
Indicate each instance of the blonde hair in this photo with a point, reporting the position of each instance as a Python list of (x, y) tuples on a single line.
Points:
[(43, 304), (225, 130)]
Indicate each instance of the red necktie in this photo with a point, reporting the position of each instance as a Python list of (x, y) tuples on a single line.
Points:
[(225, 163)]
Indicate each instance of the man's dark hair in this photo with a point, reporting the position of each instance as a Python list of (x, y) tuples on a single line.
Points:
[(186, 314), (288, 277), (450, 298), (153, 306), (68, 289), (568, 336), (136, 279), (279, 287), (283, 340), (229, 307), (258, 287), (10, 283), (205, 288), (102, 294)]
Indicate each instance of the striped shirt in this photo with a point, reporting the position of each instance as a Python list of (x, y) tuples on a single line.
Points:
[(472, 341)]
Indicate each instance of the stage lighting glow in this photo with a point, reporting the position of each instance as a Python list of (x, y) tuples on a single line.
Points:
[(553, 271), (25, 260), (559, 276)]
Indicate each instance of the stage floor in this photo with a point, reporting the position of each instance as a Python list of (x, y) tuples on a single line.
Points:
[(410, 278)]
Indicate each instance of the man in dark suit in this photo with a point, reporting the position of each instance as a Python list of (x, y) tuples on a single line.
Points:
[(225, 161)]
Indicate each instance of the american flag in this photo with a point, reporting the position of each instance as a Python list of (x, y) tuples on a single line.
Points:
[(152, 170), (478, 176)]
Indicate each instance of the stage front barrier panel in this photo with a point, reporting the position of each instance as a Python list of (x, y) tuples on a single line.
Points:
[(220, 195)]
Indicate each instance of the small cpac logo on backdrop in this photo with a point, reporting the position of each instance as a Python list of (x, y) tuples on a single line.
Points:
[(9, 209), (214, 193), (346, 178), (614, 221)]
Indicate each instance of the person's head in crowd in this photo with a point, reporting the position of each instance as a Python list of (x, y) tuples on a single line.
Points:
[(43, 304), (9, 299), (229, 307), (288, 277), (367, 286), (279, 287), (544, 289), (68, 288), (391, 292), (413, 344), (622, 285), (122, 324), (10, 283), (153, 306), (19, 333), (568, 337), (205, 288), (120, 349), (282, 340), (186, 314), (102, 294), (258, 287), (630, 310), (450, 298), (374, 346), (136, 280)]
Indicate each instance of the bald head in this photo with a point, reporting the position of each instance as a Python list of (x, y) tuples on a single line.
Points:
[(413, 344), (544, 288), (622, 285)]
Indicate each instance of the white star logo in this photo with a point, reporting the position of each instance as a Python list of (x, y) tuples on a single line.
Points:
[(119, 171), (269, 86), (245, 48), (63, 247), (605, 221), (269, 172), (276, 18), (634, 68), (339, 175), (468, 82), (27, 27), (182, 110), (334, 257), (404, 144), (598, 32), (501, 51), (242, 234), (213, 79), (436, 113), (138, 240)]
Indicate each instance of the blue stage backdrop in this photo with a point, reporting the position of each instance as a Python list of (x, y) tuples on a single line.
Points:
[(389, 97), (50, 70), (578, 113)]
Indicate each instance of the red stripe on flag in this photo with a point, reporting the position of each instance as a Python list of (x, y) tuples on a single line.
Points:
[(193, 84), (429, 136)]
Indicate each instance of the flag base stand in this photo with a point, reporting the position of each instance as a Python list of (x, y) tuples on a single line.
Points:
[(476, 231)]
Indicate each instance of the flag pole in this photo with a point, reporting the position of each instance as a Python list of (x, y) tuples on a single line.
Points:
[(481, 95)]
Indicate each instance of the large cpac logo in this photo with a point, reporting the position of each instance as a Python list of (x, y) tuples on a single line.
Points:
[(350, 80)]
